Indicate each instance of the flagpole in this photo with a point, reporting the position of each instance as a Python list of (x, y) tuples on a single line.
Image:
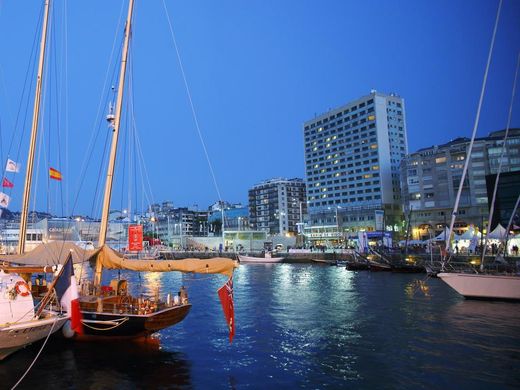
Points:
[(34, 131)]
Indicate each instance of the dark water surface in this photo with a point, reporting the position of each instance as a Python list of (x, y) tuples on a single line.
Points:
[(299, 326)]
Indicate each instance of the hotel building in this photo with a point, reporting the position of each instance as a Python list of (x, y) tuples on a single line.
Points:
[(352, 160)]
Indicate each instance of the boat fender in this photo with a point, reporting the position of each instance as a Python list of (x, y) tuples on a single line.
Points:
[(22, 288), (67, 330)]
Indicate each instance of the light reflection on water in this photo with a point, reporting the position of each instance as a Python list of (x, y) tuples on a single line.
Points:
[(304, 326)]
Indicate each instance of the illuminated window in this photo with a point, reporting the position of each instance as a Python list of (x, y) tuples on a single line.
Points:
[(440, 160)]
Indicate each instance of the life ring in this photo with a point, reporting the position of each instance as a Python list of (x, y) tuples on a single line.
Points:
[(22, 288)]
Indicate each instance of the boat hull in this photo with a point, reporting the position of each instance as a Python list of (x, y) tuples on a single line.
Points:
[(249, 259), (357, 266), (379, 267), (483, 286), (110, 326), (18, 336)]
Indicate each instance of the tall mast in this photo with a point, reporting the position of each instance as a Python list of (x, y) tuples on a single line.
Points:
[(113, 150), (34, 132)]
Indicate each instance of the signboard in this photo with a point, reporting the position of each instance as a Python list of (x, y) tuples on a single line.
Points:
[(135, 237), (379, 216)]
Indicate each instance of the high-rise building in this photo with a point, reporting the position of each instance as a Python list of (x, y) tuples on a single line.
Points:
[(277, 206), (431, 177), (352, 159)]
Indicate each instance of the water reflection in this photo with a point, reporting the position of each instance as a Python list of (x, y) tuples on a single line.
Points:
[(302, 326), (112, 365), (417, 287)]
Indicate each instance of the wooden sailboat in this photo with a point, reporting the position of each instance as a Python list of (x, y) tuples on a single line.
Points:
[(484, 285), (110, 312), (21, 322)]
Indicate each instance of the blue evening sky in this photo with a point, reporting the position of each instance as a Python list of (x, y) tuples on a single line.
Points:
[(257, 70)]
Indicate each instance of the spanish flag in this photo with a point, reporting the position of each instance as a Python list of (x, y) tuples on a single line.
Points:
[(54, 174)]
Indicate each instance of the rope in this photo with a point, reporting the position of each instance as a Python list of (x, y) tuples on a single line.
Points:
[(473, 135), (499, 170), (191, 102), (37, 355), (122, 321)]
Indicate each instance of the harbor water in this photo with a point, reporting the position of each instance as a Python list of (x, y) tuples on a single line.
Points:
[(298, 326)]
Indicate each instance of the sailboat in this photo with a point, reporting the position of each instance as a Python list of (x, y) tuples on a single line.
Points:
[(484, 285), (111, 312), (21, 321)]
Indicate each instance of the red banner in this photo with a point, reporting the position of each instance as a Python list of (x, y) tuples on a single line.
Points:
[(225, 293), (135, 237)]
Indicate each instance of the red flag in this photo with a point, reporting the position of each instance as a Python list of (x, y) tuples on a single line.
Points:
[(6, 183), (225, 293)]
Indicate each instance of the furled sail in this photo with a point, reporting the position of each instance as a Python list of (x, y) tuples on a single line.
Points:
[(51, 253), (110, 259)]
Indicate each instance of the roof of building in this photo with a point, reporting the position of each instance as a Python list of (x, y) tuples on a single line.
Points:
[(494, 135)]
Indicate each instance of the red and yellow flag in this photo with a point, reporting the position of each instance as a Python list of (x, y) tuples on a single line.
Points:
[(54, 174)]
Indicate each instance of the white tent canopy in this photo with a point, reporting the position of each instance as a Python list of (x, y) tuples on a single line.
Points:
[(442, 236), (499, 233), (469, 234)]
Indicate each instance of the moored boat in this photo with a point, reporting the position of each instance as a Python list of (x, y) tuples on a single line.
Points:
[(378, 267), (484, 286), (267, 259), (20, 325)]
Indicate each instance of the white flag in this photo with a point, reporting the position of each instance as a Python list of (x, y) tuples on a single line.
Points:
[(12, 166), (4, 200)]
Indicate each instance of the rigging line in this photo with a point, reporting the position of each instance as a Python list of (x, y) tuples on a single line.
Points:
[(126, 130), (59, 187), (92, 143), (96, 199), (1, 146), (37, 355), (139, 151), (143, 167), (473, 135), (6, 102), (53, 103), (99, 108), (89, 154), (495, 189), (29, 71), (131, 132), (45, 92), (66, 100), (192, 106)]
